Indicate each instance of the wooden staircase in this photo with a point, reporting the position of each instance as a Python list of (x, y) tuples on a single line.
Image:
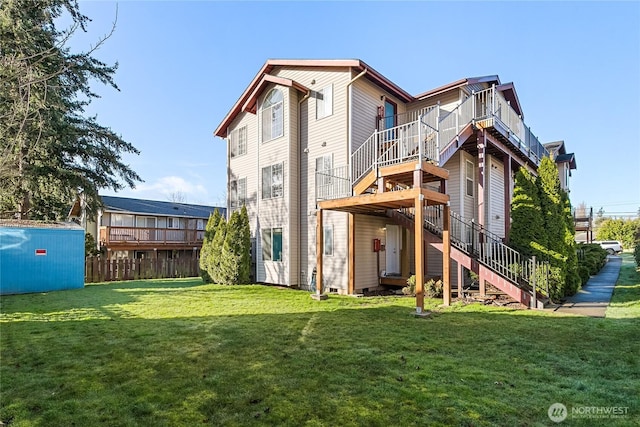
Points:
[(487, 268)]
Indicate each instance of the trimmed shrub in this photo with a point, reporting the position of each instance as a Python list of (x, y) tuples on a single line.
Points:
[(583, 271), (207, 245), (432, 288)]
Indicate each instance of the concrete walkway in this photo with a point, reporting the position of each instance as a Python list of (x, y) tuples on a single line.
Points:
[(593, 299)]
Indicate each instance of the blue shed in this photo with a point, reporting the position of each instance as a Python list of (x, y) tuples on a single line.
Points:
[(40, 257)]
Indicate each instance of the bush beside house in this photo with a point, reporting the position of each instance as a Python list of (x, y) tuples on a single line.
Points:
[(225, 255)]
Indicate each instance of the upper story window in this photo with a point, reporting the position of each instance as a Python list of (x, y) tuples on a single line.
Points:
[(238, 142), (272, 181), (272, 116), (121, 220), (469, 178), (173, 222), (324, 102), (237, 193)]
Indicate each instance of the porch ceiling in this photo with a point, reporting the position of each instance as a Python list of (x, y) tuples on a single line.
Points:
[(378, 203)]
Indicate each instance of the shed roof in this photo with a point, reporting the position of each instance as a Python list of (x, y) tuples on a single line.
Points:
[(24, 223), (154, 207)]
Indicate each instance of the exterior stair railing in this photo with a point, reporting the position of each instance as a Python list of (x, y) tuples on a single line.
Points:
[(438, 128), (488, 249)]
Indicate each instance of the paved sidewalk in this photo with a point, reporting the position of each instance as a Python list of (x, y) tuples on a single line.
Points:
[(593, 299)]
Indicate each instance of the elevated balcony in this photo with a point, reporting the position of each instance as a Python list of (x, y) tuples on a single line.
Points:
[(140, 238), (430, 135)]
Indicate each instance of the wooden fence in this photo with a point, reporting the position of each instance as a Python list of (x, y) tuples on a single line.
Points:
[(98, 269)]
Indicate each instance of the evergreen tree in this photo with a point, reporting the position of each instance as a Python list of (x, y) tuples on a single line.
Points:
[(231, 251), (49, 151), (527, 234), (213, 266), (572, 280), (207, 244), (245, 259), (558, 249)]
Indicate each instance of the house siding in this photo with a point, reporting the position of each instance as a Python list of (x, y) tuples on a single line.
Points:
[(367, 266), (495, 220), (366, 98)]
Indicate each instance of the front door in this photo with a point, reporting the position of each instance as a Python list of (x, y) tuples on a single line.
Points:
[(390, 111), (392, 249)]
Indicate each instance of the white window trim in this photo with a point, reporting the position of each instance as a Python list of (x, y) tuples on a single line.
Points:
[(469, 178), (176, 223), (327, 236), (324, 102), (238, 142), (270, 108), (270, 232), (237, 196), (271, 184)]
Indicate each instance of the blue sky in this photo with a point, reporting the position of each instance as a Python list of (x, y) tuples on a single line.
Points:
[(182, 65)]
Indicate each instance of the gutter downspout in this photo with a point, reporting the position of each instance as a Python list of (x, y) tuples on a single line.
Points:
[(299, 263)]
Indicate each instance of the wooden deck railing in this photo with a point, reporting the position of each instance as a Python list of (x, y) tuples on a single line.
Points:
[(115, 235)]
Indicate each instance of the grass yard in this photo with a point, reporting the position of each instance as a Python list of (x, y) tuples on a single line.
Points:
[(180, 353), (625, 301)]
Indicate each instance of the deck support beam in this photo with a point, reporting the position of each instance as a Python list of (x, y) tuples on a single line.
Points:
[(419, 255), (446, 257)]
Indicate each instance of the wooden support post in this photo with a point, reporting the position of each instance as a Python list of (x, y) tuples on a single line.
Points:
[(446, 258), (417, 177), (419, 232), (482, 162), (351, 286), (382, 184), (319, 253), (460, 280)]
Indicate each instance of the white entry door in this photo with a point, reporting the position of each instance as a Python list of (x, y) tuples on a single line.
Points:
[(392, 249)]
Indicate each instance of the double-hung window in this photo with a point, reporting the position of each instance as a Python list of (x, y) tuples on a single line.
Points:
[(272, 116), (272, 181), (469, 178), (324, 102), (237, 193), (173, 222), (238, 142), (272, 244)]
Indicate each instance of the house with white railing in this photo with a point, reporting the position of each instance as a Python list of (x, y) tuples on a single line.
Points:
[(127, 228), (352, 183)]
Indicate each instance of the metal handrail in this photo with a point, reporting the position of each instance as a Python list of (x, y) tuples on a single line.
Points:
[(487, 248), (333, 183)]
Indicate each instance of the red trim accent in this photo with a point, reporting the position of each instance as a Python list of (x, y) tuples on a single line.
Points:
[(41, 251), (250, 104)]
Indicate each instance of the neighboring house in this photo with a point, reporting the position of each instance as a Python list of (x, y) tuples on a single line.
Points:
[(566, 162), (135, 228), (331, 158)]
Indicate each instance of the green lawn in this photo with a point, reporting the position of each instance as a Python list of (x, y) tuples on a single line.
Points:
[(625, 301), (177, 352)]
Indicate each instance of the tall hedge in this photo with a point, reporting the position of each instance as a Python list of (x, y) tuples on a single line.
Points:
[(234, 253), (214, 267), (542, 225), (527, 233), (207, 245), (556, 211), (245, 236)]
